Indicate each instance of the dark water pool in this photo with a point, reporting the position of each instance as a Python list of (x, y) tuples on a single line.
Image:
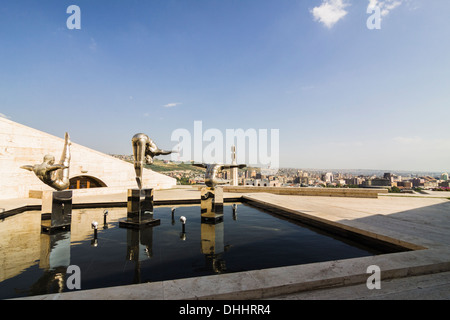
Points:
[(33, 263)]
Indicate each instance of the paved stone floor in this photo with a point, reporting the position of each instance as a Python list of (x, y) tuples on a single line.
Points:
[(425, 287), (420, 222)]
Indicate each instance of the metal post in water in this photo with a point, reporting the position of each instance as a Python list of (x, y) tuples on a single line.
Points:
[(183, 232), (173, 218), (94, 225), (234, 207), (105, 214)]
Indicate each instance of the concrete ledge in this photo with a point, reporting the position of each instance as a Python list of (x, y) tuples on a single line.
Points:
[(322, 192), (267, 283)]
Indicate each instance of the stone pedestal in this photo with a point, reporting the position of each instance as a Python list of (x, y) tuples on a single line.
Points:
[(139, 209), (56, 211), (212, 204)]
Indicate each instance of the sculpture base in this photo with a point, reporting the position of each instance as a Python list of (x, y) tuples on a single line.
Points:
[(217, 218), (56, 211), (211, 205), (139, 209), (49, 229), (139, 200)]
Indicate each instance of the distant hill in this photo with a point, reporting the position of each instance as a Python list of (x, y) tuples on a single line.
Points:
[(160, 166)]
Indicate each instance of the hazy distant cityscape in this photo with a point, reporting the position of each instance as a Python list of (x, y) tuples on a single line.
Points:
[(395, 180)]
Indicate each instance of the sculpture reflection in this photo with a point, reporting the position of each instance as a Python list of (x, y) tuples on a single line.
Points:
[(139, 248), (212, 238), (54, 260)]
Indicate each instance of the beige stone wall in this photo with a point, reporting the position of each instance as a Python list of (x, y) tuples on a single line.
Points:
[(21, 145), (322, 192)]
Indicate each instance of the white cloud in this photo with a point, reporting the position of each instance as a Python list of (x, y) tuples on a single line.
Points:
[(385, 6), (330, 12), (408, 140), (171, 105)]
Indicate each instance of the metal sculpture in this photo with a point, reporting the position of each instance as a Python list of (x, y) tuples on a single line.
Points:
[(54, 175), (144, 150), (56, 205), (211, 179)]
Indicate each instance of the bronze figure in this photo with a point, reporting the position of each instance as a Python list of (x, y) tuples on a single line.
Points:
[(211, 179), (144, 150), (54, 175)]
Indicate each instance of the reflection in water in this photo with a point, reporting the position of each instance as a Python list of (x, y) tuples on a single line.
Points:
[(113, 256), (55, 250), (212, 239), (54, 260), (94, 225), (212, 228), (139, 248)]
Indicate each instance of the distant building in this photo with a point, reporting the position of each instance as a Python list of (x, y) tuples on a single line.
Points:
[(356, 181), (234, 171), (405, 184), (262, 183), (444, 176), (425, 182), (377, 182), (418, 182), (445, 184), (301, 180), (327, 177), (381, 182)]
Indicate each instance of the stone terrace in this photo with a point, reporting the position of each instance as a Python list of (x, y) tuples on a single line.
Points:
[(421, 224)]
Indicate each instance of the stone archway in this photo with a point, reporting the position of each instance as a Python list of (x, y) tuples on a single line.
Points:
[(86, 182)]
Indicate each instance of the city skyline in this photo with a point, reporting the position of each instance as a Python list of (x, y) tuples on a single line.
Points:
[(342, 95)]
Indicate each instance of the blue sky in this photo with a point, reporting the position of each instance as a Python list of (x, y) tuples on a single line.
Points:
[(342, 96)]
